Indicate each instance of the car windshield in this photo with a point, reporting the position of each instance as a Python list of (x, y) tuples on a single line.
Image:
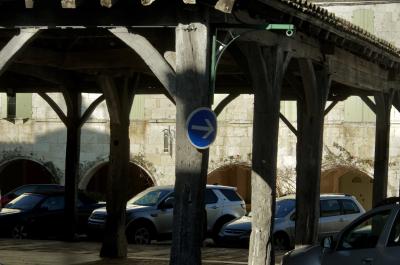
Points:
[(25, 202), (284, 207), (148, 198)]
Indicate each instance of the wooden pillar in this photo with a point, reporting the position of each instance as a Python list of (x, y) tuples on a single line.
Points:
[(119, 100), (267, 66), (192, 91), (383, 105), (72, 156), (310, 122)]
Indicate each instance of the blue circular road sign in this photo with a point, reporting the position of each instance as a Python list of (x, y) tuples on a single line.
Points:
[(201, 127)]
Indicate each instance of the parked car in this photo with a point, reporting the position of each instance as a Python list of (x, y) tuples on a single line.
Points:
[(6, 198), (371, 239), (41, 214), (150, 213), (336, 212)]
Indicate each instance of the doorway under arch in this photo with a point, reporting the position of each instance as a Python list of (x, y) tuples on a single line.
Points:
[(138, 181), (236, 175), (349, 181), (18, 172)]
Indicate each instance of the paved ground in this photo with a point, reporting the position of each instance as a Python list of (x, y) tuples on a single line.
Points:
[(42, 252)]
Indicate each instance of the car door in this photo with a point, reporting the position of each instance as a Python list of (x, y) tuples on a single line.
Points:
[(350, 211), (358, 244), (49, 217), (163, 216), (390, 253), (330, 217), (213, 208)]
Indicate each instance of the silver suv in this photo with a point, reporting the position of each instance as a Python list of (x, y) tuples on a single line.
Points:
[(149, 214), (337, 211)]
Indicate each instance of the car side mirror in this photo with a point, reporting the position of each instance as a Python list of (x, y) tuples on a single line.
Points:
[(168, 203), (327, 242)]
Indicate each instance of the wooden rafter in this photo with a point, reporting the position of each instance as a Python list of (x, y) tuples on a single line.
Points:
[(228, 99), (55, 107)]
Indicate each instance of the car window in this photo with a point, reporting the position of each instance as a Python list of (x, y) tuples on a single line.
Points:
[(53, 203), (330, 208), (25, 202), (349, 207), (284, 207), (148, 198), (394, 238), (210, 197), (365, 233), (231, 195)]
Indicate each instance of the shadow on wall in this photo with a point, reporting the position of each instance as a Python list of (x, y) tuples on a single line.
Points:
[(41, 159), (349, 181)]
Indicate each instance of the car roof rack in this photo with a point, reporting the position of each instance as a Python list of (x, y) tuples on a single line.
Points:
[(388, 201)]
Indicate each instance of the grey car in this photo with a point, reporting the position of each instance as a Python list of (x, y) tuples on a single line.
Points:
[(372, 239), (150, 213), (337, 211)]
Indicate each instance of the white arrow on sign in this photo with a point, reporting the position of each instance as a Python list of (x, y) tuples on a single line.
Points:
[(209, 128)]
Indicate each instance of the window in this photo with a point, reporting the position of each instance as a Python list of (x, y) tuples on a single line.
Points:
[(394, 238), (231, 195), (365, 233), (330, 208), (349, 207), (284, 207), (210, 197), (54, 203), (25, 202), (17, 105), (11, 106), (166, 142), (148, 198)]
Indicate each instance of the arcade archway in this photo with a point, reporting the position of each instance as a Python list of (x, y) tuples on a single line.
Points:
[(18, 172), (236, 175), (139, 180), (349, 181)]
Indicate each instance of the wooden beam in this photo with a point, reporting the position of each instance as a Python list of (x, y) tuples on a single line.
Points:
[(228, 99), (382, 140), (193, 52), (288, 123), (154, 60), (310, 121), (14, 46), (90, 110), (369, 103), (55, 107), (114, 102), (330, 107)]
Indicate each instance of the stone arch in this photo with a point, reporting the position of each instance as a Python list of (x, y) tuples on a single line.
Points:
[(348, 180), (95, 180), (237, 175), (24, 170)]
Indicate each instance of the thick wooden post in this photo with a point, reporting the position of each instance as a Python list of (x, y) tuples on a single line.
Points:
[(310, 122), (192, 91), (72, 156), (267, 66), (119, 100), (383, 105)]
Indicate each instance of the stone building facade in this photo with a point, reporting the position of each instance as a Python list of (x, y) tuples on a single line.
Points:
[(31, 131)]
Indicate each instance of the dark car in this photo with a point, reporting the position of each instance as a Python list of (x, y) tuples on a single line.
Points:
[(42, 215), (6, 198)]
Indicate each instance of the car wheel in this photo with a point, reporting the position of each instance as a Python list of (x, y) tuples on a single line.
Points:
[(217, 227), (19, 232), (141, 235), (281, 241)]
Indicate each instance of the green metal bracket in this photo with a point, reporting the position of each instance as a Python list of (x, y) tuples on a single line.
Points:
[(219, 47)]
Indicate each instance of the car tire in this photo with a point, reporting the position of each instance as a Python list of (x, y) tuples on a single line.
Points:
[(218, 225), (281, 241), (19, 232), (140, 234)]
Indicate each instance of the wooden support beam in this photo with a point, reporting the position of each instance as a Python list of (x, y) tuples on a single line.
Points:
[(90, 110), (396, 100), (228, 99), (154, 60), (14, 46), (267, 68), (288, 123), (119, 98), (55, 107), (330, 107), (310, 121), (369, 103), (383, 103), (193, 52)]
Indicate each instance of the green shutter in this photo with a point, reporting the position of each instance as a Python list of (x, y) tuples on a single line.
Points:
[(24, 105), (137, 110), (364, 18)]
